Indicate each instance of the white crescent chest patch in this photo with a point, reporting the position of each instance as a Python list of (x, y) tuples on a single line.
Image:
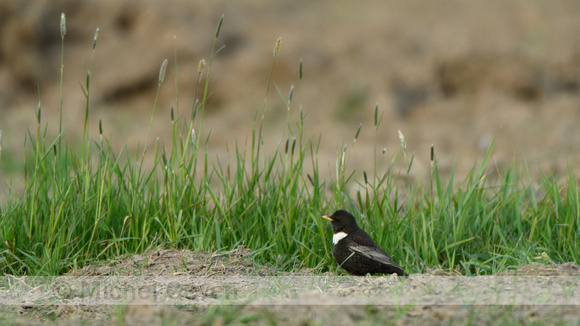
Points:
[(337, 237)]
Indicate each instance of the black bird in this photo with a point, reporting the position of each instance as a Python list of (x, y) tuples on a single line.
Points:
[(355, 251)]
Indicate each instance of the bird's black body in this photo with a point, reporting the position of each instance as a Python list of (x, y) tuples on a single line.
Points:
[(355, 251)]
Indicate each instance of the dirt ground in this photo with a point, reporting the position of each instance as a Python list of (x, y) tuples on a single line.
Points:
[(186, 287)]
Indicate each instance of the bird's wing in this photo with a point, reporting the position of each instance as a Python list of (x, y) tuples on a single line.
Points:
[(375, 254)]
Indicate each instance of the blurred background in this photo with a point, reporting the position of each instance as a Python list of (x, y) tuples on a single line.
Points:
[(449, 73)]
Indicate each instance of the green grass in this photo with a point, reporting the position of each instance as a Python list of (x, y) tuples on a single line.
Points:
[(88, 202)]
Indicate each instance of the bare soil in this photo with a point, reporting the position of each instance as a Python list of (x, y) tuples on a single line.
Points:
[(186, 287)]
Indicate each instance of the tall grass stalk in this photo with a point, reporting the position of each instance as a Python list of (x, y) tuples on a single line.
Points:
[(62, 34)]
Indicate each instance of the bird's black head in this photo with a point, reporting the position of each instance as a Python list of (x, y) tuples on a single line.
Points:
[(342, 221)]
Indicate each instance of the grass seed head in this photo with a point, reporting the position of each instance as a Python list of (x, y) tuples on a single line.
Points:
[(300, 71), (342, 156), (357, 132), (403, 142), (62, 26), (290, 95), (100, 131), (201, 66), (95, 38), (162, 71), (219, 27), (376, 114), (432, 156), (277, 47)]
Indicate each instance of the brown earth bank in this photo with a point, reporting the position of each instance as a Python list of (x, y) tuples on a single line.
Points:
[(186, 287), (448, 73)]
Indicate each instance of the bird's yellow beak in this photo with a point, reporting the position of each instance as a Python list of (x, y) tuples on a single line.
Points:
[(327, 218)]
